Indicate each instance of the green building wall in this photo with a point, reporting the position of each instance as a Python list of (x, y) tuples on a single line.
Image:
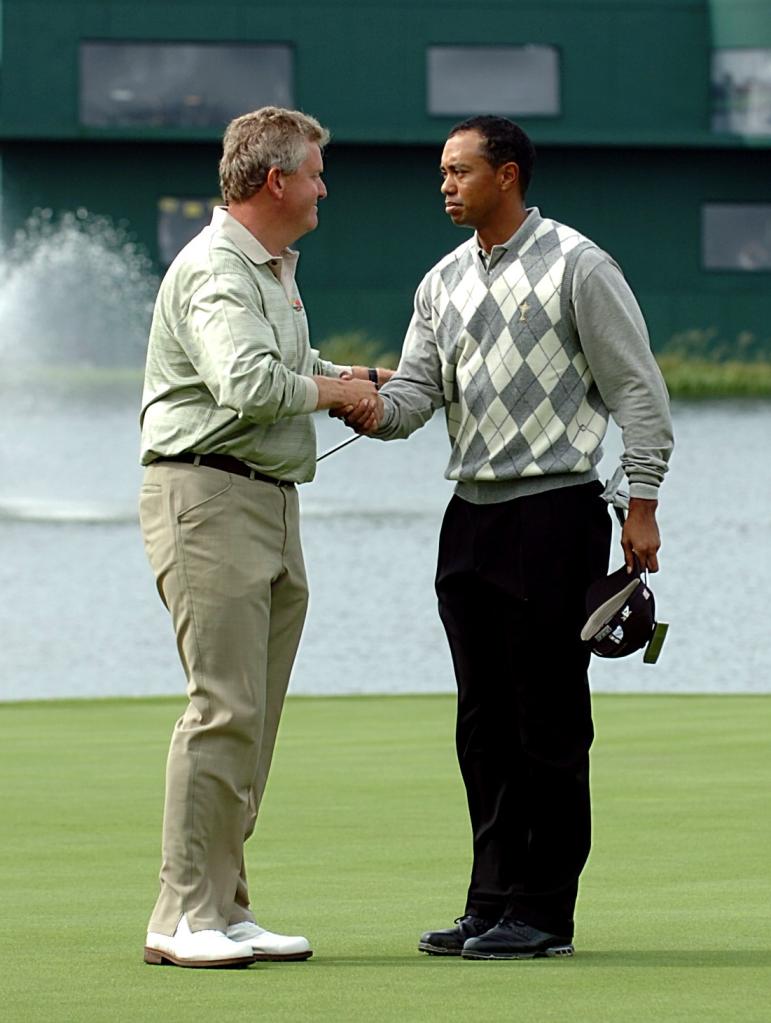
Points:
[(630, 161)]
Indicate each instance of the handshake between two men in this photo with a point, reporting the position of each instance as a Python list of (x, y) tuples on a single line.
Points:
[(353, 397)]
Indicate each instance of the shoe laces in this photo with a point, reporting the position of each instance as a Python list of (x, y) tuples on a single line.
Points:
[(472, 917), (511, 925)]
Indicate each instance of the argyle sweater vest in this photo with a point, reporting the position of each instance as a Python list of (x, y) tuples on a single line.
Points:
[(519, 396)]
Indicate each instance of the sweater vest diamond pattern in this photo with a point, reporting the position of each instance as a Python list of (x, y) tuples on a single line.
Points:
[(520, 397)]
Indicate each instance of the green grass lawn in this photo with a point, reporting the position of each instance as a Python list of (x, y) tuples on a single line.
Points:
[(363, 843)]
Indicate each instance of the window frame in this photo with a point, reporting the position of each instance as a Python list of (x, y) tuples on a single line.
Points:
[(713, 81), (211, 125), (208, 205), (708, 204), (554, 50)]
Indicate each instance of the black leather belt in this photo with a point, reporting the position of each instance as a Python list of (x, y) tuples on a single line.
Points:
[(227, 463)]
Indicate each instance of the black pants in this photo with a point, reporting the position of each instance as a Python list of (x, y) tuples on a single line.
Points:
[(511, 583)]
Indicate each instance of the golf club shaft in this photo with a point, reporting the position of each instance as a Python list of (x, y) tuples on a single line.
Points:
[(338, 447)]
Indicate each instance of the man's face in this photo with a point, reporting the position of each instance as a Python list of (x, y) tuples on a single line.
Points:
[(303, 189), (470, 184)]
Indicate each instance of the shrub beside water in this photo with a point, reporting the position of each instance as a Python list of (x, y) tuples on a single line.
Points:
[(689, 377), (701, 363), (357, 348)]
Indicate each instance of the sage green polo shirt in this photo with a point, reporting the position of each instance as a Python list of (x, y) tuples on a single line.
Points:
[(229, 362)]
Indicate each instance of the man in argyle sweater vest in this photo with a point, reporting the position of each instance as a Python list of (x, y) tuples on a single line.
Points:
[(529, 337)]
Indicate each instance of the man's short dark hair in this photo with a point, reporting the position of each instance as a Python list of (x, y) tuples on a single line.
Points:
[(505, 142)]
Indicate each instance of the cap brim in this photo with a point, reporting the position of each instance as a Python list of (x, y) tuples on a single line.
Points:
[(602, 614)]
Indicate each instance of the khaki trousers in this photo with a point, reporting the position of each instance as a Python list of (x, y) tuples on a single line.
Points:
[(228, 564)]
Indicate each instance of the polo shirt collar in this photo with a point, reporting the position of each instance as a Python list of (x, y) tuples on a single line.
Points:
[(244, 240), (498, 251)]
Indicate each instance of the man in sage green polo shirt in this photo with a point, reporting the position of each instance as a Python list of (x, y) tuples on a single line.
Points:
[(230, 383)]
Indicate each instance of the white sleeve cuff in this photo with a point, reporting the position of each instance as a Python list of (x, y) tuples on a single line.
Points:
[(311, 396)]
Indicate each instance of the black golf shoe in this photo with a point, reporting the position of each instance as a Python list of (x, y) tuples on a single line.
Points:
[(514, 939), (450, 942)]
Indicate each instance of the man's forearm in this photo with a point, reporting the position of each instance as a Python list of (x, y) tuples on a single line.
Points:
[(640, 536), (336, 393)]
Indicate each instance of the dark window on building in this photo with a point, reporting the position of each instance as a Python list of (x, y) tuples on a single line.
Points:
[(736, 236), (179, 220), (519, 80), (741, 91), (180, 85)]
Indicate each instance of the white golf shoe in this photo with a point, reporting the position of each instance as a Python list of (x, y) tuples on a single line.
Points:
[(196, 949), (269, 947)]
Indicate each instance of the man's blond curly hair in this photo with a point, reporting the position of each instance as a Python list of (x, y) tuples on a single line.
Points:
[(255, 142)]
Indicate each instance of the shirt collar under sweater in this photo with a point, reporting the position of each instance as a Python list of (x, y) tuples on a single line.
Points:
[(528, 225)]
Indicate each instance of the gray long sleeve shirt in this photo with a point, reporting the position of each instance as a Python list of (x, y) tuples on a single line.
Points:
[(528, 351)]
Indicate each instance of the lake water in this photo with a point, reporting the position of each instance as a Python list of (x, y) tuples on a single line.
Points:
[(80, 616)]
